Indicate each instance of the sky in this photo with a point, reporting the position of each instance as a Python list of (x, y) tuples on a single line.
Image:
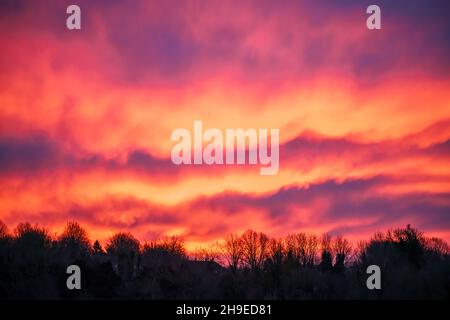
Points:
[(364, 116)]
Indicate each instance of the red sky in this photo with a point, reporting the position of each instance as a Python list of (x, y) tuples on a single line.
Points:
[(364, 116)]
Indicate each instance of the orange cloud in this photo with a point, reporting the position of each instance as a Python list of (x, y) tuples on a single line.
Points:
[(86, 118)]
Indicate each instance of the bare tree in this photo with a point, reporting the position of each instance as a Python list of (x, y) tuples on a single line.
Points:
[(342, 249), (173, 244), (438, 246), (303, 247), (26, 234), (255, 248), (312, 248), (122, 242), (325, 242), (210, 254), (296, 246), (3, 230), (232, 251), (276, 251), (342, 246), (123, 247), (74, 240)]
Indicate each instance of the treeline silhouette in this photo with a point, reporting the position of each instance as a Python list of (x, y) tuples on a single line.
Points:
[(248, 266)]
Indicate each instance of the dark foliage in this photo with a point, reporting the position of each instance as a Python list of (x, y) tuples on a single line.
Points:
[(250, 266)]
